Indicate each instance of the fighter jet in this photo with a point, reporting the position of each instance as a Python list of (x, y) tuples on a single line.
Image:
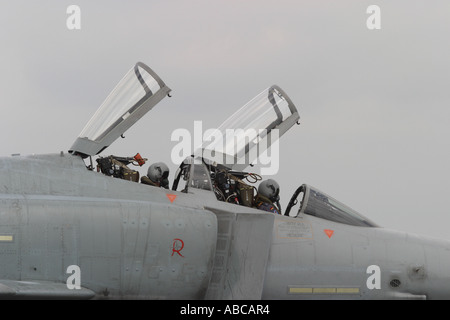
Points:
[(75, 230)]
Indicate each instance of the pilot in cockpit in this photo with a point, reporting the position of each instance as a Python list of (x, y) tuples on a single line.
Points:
[(157, 175), (268, 196)]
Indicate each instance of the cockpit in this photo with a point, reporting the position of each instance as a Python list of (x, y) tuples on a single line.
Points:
[(217, 165), (236, 187)]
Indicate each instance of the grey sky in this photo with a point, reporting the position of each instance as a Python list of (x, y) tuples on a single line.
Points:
[(373, 103)]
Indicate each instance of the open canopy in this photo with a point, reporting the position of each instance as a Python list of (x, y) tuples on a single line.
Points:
[(243, 137), (136, 94)]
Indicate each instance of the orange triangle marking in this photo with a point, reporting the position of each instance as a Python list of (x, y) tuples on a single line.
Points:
[(328, 232), (171, 197)]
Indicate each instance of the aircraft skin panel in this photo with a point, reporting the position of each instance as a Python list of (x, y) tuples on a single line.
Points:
[(155, 243), (243, 244), (123, 249), (151, 249), (313, 258), (10, 289), (249, 256)]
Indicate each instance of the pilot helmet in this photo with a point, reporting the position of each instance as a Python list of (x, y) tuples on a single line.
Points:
[(158, 171), (269, 189)]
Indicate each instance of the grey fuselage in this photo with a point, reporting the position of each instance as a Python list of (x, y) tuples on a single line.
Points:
[(132, 240)]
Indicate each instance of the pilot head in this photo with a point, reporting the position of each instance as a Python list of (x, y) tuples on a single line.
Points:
[(158, 174), (270, 189)]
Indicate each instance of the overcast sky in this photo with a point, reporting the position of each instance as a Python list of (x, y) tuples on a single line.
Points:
[(374, 104)]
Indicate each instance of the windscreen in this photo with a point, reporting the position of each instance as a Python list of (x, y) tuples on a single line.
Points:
[(323, 206)]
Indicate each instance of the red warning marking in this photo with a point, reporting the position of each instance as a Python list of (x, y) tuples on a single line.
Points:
[(177, 246), (171, 197), (328, 232)]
